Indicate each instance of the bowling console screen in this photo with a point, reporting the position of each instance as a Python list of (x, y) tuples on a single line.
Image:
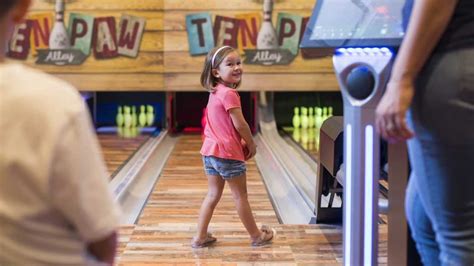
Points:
[(354, 23)]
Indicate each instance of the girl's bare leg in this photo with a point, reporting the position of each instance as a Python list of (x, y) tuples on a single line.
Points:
[(238, 186), (215, 188)]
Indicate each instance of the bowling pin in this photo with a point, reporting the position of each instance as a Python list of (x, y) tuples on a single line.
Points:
[(59, 38), (134, 116), (127, 117), (150, 115), (325, 113), (310, 118), (142, 116), (267, 38), (296, 118), (304, 117), (330, 111), (319, 118), (119, 117)]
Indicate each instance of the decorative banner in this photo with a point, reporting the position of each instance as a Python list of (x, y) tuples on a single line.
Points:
[(260, 42), (199, 28), (288, 31), (40, 31), (54, 44), (80, 32), (226, 30), (248, 30), (104, 40), (19, 45), (60, 57), (268, 57), (130, 35)]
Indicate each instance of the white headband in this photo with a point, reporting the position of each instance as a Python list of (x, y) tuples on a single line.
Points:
[(214, 56)]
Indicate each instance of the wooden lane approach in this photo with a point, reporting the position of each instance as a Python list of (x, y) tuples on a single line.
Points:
[(163, 233), (117, 150)]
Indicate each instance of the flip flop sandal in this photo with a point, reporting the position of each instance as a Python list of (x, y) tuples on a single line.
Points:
[(266, 238), (204, 243)]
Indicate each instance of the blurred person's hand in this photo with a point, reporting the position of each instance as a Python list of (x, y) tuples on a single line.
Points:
[(390, 115)]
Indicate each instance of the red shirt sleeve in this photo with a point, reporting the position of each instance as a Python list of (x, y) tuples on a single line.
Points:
[(231, 100)]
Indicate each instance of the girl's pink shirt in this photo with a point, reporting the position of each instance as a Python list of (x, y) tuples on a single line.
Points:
[(221, 139)]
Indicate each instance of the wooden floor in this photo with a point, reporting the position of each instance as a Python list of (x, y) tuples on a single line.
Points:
[(117, 150), (163, 233)]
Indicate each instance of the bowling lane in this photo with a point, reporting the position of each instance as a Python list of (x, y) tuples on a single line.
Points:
[(168, 221), (178, 194), (163, 233), (118, 150), (306, 138)]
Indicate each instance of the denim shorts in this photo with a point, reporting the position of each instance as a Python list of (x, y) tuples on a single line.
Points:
[(227, 168)]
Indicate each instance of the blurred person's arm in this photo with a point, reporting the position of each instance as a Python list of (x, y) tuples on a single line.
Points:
[(104, 249), (428, 21)]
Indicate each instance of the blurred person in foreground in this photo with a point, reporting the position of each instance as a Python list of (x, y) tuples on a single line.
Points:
[(433, 79), (55, 205)]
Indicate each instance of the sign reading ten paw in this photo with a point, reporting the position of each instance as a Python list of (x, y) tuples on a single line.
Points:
[(260, 42), (53, 44)]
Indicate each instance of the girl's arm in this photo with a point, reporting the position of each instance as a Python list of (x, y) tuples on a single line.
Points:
[(244, 130), (428, 21)]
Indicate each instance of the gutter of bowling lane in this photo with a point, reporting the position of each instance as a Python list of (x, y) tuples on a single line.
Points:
[(135, 181)]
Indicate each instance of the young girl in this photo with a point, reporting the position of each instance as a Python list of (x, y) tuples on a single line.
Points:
[(226, 136)]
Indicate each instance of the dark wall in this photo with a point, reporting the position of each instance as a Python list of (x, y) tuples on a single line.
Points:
[(106, 105), (188, 109)]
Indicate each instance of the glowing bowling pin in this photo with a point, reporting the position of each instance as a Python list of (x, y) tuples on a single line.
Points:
[(304, 117), (310, 118), (142, 116), (150, 115), (325, 113), (296, 118), (119, 117), (127, 117), (319, 118), (134, 116)]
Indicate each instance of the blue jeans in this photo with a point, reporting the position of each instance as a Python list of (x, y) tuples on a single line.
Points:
[(226, 168), (440, 194)]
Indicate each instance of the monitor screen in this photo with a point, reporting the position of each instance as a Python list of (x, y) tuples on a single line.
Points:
[(354, 23)]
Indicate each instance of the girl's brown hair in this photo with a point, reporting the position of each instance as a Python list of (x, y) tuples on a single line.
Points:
[(5, 6), (208, 81)]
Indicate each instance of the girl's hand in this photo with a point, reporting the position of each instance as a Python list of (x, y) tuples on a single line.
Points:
[(248, 152), (390, 115), (251, 151)]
